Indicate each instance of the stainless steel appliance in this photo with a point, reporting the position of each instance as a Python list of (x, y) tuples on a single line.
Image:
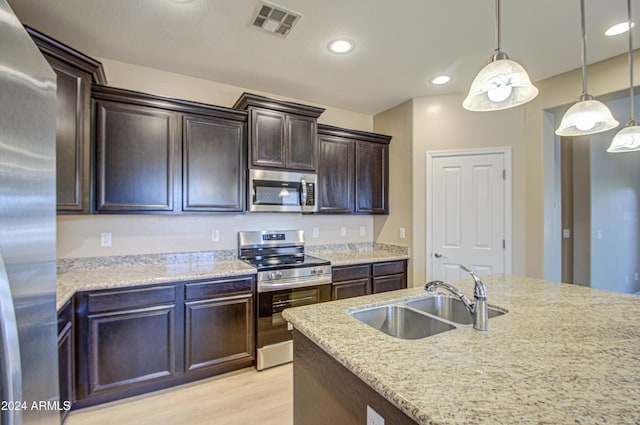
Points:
[(28, 340), (287, 277), (282, 191)]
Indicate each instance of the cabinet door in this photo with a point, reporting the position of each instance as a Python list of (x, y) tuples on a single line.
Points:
[(302, 144), (351, 288), (372, 179), (131, 347), (219, 333), (335, 175), (213, 164), (267, 138), (136, 157), (72, 137)]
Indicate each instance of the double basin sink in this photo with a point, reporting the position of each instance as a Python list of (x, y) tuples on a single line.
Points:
[(418, 318)]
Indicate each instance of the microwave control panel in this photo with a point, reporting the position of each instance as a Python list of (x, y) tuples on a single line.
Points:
[(311, 194)]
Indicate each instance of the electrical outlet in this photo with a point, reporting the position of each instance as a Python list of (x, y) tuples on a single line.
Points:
[(566, 233), (316, 232), (105, 239), (343, 231), (362, 231), (373, 417), (403, 233), (215, 235)]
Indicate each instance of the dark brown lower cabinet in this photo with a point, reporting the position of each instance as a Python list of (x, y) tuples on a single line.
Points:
[(327, 393), (371, 278), (65, 359), (135, 340), (219, 333)]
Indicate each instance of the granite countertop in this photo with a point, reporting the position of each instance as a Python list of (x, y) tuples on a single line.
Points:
[(83, 274), (125, 271), (347, 254), (562, 354)]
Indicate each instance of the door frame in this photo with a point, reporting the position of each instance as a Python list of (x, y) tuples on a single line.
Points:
[(500, 150)]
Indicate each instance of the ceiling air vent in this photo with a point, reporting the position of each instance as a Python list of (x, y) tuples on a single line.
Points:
[(275, 19)]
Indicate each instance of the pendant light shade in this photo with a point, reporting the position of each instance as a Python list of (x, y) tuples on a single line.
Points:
[(587, 116), (628, 139), (502, 83)]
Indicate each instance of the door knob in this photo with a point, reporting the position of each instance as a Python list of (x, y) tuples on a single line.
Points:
[(437, 255)]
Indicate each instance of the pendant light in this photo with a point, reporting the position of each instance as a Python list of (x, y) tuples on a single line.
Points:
[(502, 83), (587, 116), (628, 139)]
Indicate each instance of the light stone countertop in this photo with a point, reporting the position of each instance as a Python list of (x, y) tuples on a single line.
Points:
[(562, 354), (128, 271), (348, 254), (82, 274)]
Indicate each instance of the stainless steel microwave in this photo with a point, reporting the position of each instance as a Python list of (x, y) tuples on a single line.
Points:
[(282, 191)]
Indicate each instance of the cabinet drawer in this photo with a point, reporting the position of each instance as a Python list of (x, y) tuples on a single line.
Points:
[(350, 272), (350, 288), (391, 267), (388, 283), (130, 298), (214, 288)]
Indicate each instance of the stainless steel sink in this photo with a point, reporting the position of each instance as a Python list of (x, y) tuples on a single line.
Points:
[(401, 322), (449, 308)]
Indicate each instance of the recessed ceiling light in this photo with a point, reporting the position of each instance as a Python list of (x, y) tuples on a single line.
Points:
[(341, 45), (619, 28), (441, 79)]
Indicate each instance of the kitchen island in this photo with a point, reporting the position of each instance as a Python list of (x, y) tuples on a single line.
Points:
[(562, 354)]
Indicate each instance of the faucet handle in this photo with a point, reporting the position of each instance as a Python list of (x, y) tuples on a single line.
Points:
[(479, 290)]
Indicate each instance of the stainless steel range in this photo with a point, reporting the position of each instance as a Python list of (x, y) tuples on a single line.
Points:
[(287, 277)]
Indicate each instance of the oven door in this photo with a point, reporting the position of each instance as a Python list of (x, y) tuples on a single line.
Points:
[(271, 326)]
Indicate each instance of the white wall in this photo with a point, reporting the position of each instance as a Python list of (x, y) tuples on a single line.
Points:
[(615, 210), (78, 236), (398, 122), (440, 123)]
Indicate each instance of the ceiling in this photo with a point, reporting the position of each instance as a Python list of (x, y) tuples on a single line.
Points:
[(400, 44)]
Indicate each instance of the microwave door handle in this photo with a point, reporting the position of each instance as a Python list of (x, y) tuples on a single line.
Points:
[(303, 193)]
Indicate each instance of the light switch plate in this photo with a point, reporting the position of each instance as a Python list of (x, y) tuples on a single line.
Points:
[(373, 417), (105, 239), (343, 231)]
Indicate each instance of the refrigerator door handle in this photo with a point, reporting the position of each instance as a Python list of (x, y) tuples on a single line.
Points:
[(10, 369)]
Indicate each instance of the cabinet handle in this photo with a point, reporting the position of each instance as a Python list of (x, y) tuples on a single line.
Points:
[(437, 255)]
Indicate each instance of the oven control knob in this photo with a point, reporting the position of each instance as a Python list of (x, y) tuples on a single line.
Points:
[(271, 276), (314, 271)]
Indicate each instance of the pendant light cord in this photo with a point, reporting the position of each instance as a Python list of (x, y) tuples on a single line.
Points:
[(631, 88), (584, 52), (498, 35)]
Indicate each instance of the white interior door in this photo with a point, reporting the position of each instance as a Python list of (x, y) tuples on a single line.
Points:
[(469, 212)]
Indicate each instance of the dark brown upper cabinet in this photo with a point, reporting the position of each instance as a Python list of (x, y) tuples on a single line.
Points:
[(161, 155), (75, 73), (353, 173), (372, 178), (136, 150), (213, 164), (282, 134), (336, 174)]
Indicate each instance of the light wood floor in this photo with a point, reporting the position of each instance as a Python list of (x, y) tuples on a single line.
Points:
[(244, 397)]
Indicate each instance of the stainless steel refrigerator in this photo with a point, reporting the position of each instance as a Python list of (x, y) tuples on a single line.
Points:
[(28, 341)]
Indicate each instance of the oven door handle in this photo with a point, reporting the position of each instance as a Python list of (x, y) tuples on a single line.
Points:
[(295, 300), (302, 283)]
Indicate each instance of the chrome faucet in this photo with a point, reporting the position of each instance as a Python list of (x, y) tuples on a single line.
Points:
[(478, 310)]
